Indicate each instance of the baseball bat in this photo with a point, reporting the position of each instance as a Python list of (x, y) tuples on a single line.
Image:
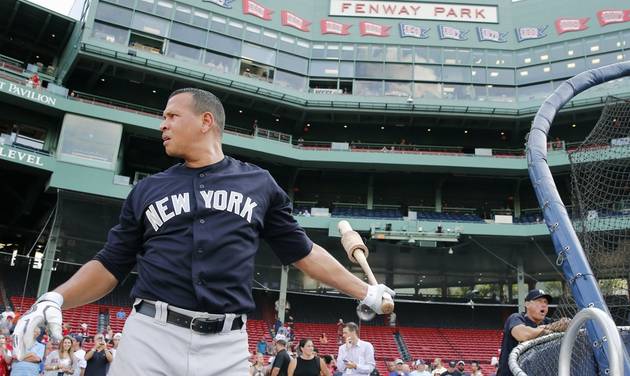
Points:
[(357, 253)]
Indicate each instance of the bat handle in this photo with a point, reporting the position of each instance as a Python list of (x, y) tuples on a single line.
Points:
[(387, 306)]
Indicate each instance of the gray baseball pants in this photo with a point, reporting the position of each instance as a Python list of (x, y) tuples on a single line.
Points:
[(151, 346)]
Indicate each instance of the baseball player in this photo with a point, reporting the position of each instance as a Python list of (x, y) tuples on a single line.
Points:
[(192, 231)]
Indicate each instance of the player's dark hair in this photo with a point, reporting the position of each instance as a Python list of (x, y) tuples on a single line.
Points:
[(205, 101), (352, 327)]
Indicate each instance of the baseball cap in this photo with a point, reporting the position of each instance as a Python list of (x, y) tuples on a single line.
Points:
[(418, 362), (452, 363), (398, 361), (537, 293), (281, 338), (461, 362)]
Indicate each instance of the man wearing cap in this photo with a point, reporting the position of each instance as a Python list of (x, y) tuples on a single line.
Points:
[(460, 367), (451, 370), (281, 362), (398, 368), (521, 327), (421, 369)]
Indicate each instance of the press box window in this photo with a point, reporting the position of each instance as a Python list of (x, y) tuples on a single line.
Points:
[(257, 71), (146, 43), (89, 141)]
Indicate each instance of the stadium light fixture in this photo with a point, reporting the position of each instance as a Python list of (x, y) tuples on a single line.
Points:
[(277, 120), (382, 127), (573, 125), (154, 91), (240, 111), (450, 252), (308, 124), (429, 130), (345, 126)]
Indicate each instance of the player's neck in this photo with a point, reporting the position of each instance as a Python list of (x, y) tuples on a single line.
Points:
[(208, 157)]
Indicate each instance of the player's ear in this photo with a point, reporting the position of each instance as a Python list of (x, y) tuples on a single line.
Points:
[(207, 122)]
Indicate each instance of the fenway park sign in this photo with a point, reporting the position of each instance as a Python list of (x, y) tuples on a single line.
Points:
[(415, 10)]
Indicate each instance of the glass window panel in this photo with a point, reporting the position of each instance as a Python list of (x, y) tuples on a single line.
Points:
[(434, 55), (164, 8), (269, 38), (406, 54), (224, 44), (464, 57), (625, 40), (399, 71), (575, 49), (558, 52), (319, 51), (363, 52), (391, 53), (377, 52), (427, 73), (541, 55), (478, 75), (424, 90), (292, 63), (346, 69), (89, 141), (600, 60), (324, 68), (146, 5), (369, 70), (235, 28), (302, 47), (183, 13), (113, 14), (332, 51), (150, 24), (127, 3), (421, 54), (567, 68), (501, 76), (368, 88), (478, 58), (534, 73), (536, 92), (252, 33), (347, 52), (450, 56), (498, 59), (456, 74), (220, 63), (110, 34), (457, 92), (259, 54), (501, 94), (201, 18), (218, 24), (525, 57), (397, 89), (290, 81), (610, 43), (507, 58), (183, 52), (481, 92), (187, 34)]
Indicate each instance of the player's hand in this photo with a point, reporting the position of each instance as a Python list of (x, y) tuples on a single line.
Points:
[(46, 310), (560, 325), (374, 297)]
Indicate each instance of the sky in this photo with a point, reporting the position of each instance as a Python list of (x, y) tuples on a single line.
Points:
[(70, 8)]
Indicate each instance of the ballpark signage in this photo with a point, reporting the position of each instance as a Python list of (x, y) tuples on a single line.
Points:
[(449, 32), (20, 156), (564, 25), (24, 92), (415, 10), (332, 27), (610, 16), (413, 31), (527, 32), (486, 34), (255, 9), (222, 3), (369, 28), (291, 19)]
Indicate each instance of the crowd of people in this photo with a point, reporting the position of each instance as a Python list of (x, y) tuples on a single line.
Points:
[(65, 358)]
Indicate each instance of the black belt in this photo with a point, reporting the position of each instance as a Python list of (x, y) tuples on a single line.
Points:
[(198, 324)]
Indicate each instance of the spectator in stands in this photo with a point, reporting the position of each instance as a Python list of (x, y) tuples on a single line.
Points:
[(438, 368), (98, 358), (282, 359), (340, 325), (521, 327), (5, 356), (451, 370), (7, 323), (79, 353), (34, 82), (84, 332), (421, 369), (258, 367), (62, 362), (461, 365), (355, 355), (398, 368), (307, 363), (392, 319), (115, 342), (475, 369), (109, 334), (261, 346), (406, 369), (30, 365), (67, 329), (331, 364), (323, 339)]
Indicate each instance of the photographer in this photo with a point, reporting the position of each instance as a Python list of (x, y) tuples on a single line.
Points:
[(98, 358)]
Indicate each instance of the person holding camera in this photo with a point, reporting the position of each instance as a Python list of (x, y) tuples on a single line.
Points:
[(98, 358)]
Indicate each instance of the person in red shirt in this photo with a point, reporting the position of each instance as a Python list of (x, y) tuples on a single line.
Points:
[(35, 80), (5, 355)]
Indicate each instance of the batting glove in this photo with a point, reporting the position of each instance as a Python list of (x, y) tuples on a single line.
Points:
[(374, 297), (46, 310)]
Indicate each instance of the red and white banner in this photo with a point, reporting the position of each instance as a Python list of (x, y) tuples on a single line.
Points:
[(290, 19), (369, 28), (332, 27), (609, 16), (255, 9), (565, 25)]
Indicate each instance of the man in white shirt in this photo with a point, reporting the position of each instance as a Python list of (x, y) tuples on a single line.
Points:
[(421, 369), (356, 357), (77, 340)]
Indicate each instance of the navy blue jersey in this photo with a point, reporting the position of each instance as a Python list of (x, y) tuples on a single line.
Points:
[(194, 232), (509, 342)]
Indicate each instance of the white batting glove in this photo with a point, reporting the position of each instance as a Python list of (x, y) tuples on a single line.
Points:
[(46, 310), (374, 297)]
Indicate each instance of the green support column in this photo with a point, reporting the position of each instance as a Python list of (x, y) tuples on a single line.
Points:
[(282, 301), (49, 256), (517, 199), (370, 192), (438, 194), (520, 283)]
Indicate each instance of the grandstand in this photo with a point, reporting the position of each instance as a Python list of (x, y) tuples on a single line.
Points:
[(413, 127)]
